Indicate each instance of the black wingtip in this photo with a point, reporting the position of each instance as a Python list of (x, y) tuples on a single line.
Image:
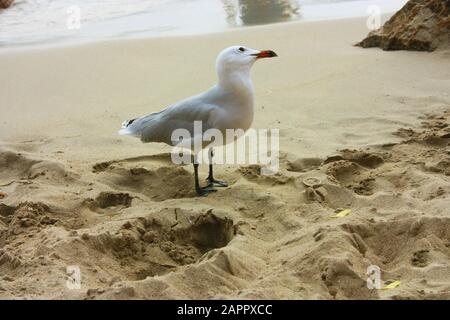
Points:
[(127, 123)]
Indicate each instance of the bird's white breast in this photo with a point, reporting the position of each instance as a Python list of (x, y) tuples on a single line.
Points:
[(235, 96)]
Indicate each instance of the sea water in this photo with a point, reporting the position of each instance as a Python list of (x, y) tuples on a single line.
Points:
[(52, 21)]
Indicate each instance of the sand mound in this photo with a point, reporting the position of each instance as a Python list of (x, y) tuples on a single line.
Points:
[(22, 167), (160, 182)]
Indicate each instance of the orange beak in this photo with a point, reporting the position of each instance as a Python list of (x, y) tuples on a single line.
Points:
[(265, 54)]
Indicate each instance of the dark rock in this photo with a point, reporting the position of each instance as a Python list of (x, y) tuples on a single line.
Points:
[(5, 3), (420, 25)]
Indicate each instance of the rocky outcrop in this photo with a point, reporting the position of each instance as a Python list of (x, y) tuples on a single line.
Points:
[(420, 25), (5, 3)]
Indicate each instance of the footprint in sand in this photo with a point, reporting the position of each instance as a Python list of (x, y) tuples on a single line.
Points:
[(155, 176), (353, 170)]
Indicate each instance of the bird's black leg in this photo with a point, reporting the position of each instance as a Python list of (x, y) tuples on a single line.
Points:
[(211, 181), (203, 192)]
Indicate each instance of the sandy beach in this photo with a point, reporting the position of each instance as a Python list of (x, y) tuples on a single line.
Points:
[(373, 126)]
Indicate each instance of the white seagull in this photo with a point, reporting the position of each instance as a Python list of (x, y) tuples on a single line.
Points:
[(227, 105)]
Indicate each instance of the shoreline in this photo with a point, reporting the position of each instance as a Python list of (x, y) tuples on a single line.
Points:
[(66, 40), (46, 45)]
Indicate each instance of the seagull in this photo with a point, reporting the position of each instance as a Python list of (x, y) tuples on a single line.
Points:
[(227, 105)]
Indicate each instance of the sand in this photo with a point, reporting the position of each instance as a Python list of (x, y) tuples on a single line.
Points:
[(373, 126)]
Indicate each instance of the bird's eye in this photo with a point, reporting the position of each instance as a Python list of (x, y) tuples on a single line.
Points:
[(242, 49)]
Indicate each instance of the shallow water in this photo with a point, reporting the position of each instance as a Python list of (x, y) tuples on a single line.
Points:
[(49, 21)]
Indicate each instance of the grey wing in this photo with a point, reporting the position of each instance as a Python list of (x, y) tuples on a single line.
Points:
[(159, 127)]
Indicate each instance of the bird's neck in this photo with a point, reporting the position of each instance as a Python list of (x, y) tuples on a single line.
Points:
[(237, 83)]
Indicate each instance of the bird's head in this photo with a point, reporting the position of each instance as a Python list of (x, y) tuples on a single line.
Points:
[(239, 57)]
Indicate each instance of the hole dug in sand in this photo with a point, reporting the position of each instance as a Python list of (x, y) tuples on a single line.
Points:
[(153, 246), (209, 232)]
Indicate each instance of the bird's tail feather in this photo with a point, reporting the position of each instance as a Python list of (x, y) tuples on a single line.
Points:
[(125, 132)]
